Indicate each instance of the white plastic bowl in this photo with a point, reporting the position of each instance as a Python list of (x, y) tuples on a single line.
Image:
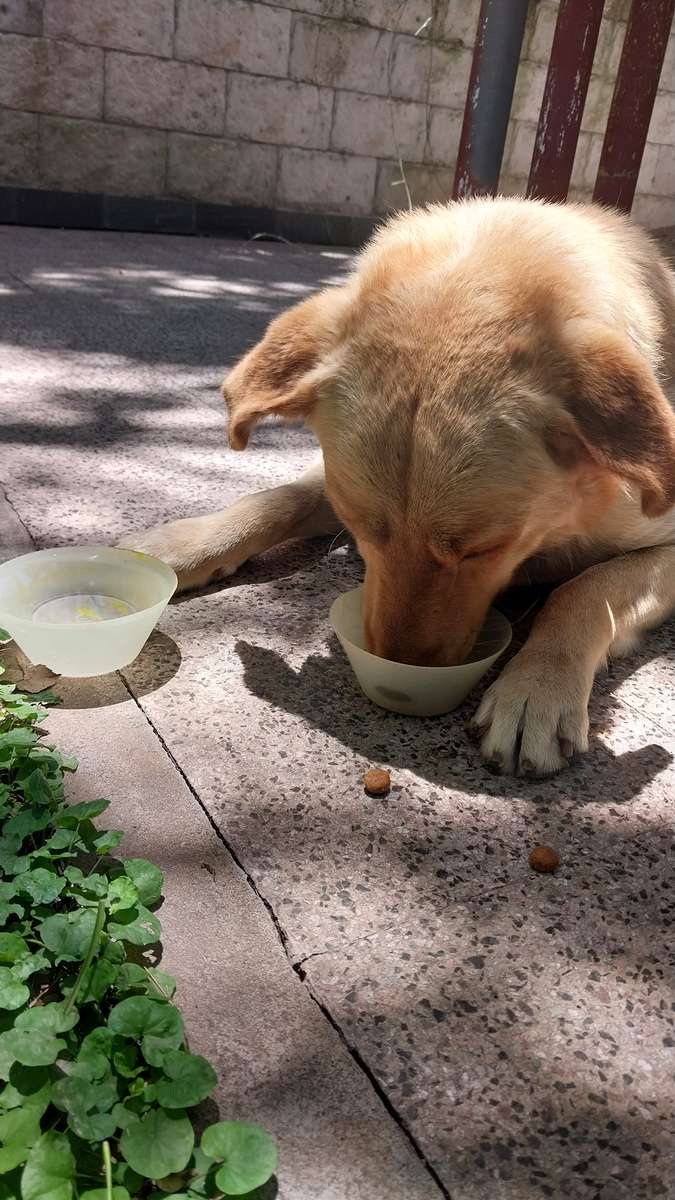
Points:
[(83, 610), (416, 691)]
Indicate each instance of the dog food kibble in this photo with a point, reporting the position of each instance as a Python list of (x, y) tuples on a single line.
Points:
[(377, 782), (544, 858)]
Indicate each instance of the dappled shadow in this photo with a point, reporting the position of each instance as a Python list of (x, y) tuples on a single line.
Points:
[(311, 694)]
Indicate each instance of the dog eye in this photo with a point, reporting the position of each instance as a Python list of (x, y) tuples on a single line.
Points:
[(483, 552)]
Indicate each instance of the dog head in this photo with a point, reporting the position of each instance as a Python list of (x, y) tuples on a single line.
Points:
[(466, 423)]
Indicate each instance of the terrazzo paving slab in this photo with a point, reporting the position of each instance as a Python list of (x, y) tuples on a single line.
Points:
[(519, 1027)]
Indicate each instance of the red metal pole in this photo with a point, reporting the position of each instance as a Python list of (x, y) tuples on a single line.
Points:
[(569, 71), (635, 90)]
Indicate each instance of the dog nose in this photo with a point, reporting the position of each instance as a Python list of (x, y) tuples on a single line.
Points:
[(398, 648)]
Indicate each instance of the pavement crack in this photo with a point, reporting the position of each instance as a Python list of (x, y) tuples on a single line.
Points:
[(281, 932), (297, 967), (377, 1087)]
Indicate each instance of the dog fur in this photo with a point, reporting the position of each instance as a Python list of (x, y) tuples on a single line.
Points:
[(489, 391)]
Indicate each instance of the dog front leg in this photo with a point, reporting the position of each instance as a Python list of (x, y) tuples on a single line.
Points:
[(535, 716), (203, 548)]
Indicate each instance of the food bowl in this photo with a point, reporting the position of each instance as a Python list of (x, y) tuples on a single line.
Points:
[(416, 691), (83, 610)]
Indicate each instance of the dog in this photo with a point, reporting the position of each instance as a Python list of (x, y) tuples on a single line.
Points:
[(488, 389)]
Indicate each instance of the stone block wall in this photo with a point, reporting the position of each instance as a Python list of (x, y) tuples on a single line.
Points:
[(304, 105)]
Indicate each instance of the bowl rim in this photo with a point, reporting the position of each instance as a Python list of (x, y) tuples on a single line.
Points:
[(149, 560), (376, 658)]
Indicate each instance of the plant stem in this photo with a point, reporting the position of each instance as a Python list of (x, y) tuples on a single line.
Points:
[(98, 926), (107, 1167)]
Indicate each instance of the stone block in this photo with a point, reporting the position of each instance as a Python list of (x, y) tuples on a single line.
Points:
[(279, 111), (221, 171), (663, 175), (458, 21), (450, 70), (518, 157), (168, 95), (234, 33), (50, 76), (528, 92), (21, 16), (319, 8), (667, 80), (409, 71), (145, 26), (372, 125), (89, 156), (662, 124), (445, 128), (336, 183), (388, 14), (654, 212), (586, 160), (596, 109), (19, 141), (539, 45), (341, 56), (427, 185), (608, 49)]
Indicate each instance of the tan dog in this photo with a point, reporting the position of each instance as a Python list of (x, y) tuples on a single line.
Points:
[(487, 390)]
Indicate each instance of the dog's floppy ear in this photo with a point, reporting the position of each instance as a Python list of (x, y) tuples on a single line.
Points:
[(618, 411), (282, 373)]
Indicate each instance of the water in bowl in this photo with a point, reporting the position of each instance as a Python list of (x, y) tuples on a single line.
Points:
[(80, 608)]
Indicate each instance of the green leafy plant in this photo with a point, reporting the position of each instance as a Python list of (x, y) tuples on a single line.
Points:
[(96, 1076)]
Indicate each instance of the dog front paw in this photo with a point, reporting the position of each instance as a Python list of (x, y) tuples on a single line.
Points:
[(184, 546), (534, 718)]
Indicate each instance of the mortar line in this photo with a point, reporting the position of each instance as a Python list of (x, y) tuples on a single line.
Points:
[(297, 969)]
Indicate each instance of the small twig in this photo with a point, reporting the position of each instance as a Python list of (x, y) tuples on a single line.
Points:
[(98, 926), (36, 999)]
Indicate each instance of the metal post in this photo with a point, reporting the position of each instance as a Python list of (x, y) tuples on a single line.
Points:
[(496, 55), (569, 72), (635, 90)]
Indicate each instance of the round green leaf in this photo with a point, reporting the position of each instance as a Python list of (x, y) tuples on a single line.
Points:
[(30, 1087), (11, 947), (157, 1026), (158, 1144), (68, 934), (32, 1047), (249, 1155), (13, 994), (7, 1056), (147, 877), (29, 964), (85, 811), (95, 885), (122, 894), (19, 1130), (11, 1157), (50, 1169), (41, 885), (190, 1079), (48, 1018), (136, 925)]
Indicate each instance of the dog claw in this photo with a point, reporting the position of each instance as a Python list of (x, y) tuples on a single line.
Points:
[(474, 731), (495, 764)]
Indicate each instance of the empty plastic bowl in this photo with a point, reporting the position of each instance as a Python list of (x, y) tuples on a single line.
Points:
[(83, 610), (417, 691)]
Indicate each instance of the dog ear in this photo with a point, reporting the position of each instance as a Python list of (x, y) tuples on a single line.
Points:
[(282, 373), (617, 413)]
